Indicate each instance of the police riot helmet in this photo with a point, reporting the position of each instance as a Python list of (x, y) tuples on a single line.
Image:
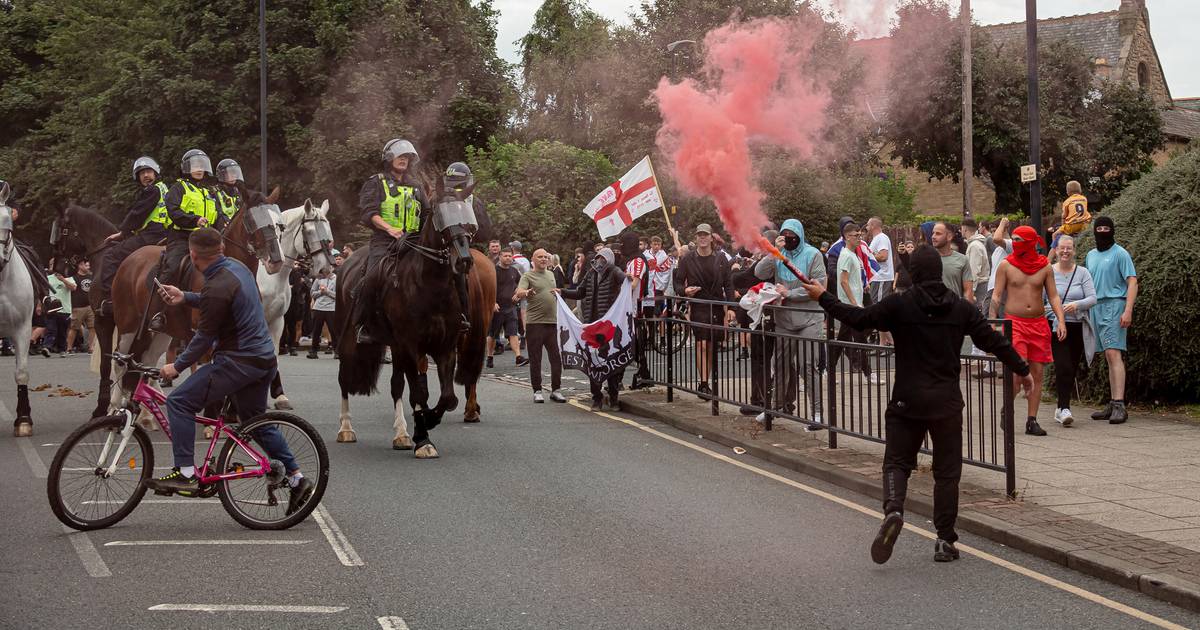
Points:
[(397, 147), (228, 171), (195, 160), (458, 176), (143, 163)]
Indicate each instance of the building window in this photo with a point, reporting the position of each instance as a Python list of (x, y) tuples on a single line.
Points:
[(1143, 75)]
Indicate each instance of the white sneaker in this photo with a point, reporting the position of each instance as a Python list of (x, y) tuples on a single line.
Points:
[(813, 428), (1063, 417), (557, 397), (873, 379), (762, 418), (537, 397)]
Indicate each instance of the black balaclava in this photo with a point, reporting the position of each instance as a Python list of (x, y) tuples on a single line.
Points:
[(791, 240), (1105, 240), (630, 249), (930, 292)]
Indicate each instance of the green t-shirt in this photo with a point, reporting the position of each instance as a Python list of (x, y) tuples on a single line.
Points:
[(541, 308), (59, 290), (955, 271)]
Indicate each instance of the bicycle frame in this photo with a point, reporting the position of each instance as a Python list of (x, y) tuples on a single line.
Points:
[(152, 400)]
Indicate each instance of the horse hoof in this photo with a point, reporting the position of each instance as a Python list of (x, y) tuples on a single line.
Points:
[(23, 429), (283, 404), (402, 443), (471, 417), (347, 436), (428, 451)]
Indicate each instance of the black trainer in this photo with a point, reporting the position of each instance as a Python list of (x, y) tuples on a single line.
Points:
[(174, 483), (522, 361), (944, 551), (885, 540), (1033, 428), (490, 363), (1105, 413), (704, 392), (300, 495), (1119, 415)]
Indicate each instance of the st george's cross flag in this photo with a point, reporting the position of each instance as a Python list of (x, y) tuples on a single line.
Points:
[(634, 195)]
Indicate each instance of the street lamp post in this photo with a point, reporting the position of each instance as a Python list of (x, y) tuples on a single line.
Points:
[(1035, 132), (262, 93), (968, 123)]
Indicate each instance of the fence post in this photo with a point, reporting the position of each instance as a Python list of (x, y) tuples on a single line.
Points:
[(1007, 425), (713, 355), (831, 398), (669, 312)]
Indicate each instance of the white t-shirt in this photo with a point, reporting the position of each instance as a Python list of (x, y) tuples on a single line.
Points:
[(848, 261), (660, 270), (998, 256), (886, 272)]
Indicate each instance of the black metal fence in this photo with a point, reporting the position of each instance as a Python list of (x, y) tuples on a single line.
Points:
[(793, 366)]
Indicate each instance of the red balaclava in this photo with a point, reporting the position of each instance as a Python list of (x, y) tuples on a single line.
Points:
[(1025, 255)]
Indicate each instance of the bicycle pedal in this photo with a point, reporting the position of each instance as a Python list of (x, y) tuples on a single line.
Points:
[(163, 493)]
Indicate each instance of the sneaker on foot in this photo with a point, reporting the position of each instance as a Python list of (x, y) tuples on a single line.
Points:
[(1033, 428), (522, 361), (174, 483), (704, 392), (490, 363), (944, 551), (762, 417), (312, 355), (45, 352), (818, 424), (538, 398), (299, 495), (1064, 417), (597, 404), (1119, 415), (749, 410), (556, 396), (1105, 413), (873, 379), (885, 540)]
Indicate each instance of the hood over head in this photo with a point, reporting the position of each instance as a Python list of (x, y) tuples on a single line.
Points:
[(931, 294)]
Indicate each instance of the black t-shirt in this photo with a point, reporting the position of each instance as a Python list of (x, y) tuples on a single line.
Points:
[(79, 297), (506, 286)]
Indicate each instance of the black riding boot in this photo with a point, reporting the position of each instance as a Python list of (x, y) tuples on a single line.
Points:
[(364, 308), (460, 282)]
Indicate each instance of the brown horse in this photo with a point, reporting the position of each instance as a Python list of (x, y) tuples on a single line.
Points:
[(423, 312)]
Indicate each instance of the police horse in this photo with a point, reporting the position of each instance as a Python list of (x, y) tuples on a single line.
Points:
[(421, 306), (16, 311), (304, 235)]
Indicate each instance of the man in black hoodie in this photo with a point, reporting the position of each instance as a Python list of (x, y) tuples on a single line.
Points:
[(596, 292), (928, 324)]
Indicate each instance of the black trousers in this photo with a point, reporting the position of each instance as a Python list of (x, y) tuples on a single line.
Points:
[(1068, 354), (612, 384), (177, 250), (294, 315), (762, 351), (537, 338), (323, 319), (120, 251), (904, 438), (858, 358)]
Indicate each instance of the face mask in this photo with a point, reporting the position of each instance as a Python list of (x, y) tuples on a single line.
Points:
[(598, 264), (791, 241), (1105, 240)]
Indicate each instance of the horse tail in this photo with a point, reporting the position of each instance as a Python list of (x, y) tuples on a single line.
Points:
[(359, 366), (481, 287)]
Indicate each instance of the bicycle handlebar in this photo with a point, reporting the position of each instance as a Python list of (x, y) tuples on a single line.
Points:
[(127, 361)]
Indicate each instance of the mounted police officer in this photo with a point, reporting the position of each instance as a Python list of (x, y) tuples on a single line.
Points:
[(146, 223), (229, 186), (191, 203), (459, 185), (392, 205)]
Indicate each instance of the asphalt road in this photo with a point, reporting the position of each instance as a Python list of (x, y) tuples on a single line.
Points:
[(542, 516)]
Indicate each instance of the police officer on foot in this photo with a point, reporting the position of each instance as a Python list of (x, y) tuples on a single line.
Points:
[(393, 205), (191, 204), (928, 324), (146, 223)]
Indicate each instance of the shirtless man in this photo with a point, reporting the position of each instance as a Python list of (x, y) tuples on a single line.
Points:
[(1024, 275)]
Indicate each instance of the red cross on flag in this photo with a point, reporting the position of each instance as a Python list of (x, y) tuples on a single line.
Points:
[(635, 194)]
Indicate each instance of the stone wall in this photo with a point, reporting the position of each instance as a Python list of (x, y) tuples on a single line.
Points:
[(1141, 50)]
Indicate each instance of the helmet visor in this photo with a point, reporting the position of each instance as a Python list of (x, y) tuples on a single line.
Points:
[(231, 174), (198, 163)]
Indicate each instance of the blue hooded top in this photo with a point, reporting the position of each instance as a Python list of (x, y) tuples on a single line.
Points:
[(801, 257)]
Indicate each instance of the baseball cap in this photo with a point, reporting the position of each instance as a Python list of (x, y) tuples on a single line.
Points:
[(704, 227)]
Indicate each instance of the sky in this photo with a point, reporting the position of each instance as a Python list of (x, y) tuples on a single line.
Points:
[(1172, 25)]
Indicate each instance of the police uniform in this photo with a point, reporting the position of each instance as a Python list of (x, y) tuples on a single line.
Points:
[(146, 223), (187, 201), (229, 199)]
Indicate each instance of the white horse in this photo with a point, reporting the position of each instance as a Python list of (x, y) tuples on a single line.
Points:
[(304, 232), (16, 311)]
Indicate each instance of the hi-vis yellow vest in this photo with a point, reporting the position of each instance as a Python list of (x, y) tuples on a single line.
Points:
[(198, 201), (400, 208), (159, 213), (229, 203)]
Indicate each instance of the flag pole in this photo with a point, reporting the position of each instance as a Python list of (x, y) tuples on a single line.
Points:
[(666, 215)]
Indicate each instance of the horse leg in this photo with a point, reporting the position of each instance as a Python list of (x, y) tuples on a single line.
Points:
[(345, 431), (154, 351), (281, 400), (421, 413), (447, 400), (401, 441), (104, 345), (472, 412), (119, 388), (23, 425)]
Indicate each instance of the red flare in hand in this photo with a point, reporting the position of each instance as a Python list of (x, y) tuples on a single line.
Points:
[(770, 248)]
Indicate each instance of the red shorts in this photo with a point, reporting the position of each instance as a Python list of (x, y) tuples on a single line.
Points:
[(1031, 338)]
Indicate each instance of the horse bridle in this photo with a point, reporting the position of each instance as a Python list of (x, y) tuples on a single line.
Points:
[(303, 240)]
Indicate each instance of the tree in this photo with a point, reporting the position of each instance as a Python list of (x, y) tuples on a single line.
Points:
[(1105, 132)]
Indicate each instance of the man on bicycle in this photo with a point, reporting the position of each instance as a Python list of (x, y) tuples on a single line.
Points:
[(233, 326)]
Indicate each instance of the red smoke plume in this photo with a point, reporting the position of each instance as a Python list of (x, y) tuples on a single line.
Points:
[(757, 91)]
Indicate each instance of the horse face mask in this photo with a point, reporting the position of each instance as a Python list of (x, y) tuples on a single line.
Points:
[(450, 214), (263, 224)]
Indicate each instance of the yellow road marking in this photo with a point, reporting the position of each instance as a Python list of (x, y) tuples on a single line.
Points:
[(1016, 568)]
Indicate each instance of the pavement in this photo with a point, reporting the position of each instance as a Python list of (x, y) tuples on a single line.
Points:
[(541, 516)]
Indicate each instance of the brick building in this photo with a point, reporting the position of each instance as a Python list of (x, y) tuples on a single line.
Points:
[(1119, 47)]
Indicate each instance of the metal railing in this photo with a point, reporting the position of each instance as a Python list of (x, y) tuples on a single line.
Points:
[(807, 375)]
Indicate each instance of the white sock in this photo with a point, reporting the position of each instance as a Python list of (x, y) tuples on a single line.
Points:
[(294, 480), (187, 471)]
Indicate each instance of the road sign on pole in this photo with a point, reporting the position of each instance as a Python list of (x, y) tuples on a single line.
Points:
[(1028, 173)]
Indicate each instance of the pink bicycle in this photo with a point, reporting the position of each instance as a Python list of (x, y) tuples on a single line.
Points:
[(99, 474)]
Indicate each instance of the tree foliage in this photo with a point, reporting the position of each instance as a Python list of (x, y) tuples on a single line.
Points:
[(1101, 136)]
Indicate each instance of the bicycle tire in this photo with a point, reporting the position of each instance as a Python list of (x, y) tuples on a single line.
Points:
[(320, 477), (54, 492)]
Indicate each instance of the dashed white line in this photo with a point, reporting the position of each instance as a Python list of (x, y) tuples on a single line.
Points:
[(35, 461), (337, 540), (322, 610), (392, 623), (148, 543), (92, 562)]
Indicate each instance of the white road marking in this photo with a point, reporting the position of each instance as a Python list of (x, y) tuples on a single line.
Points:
[(321, 610), (146, 543), (1016, 568), (392, 623), (337, 540), (92, 562), (35, 461)]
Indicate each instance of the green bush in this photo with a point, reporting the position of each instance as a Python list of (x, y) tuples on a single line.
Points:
[(1156, 220)]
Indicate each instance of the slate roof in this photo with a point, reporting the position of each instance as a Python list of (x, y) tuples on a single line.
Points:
[(1097, 34), (1192, 103), (1183, 123)]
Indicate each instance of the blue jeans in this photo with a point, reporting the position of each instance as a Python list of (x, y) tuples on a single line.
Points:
[(247, 385)]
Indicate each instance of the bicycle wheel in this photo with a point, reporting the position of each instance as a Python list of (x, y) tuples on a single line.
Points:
[(81, 495), (262, 502)]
